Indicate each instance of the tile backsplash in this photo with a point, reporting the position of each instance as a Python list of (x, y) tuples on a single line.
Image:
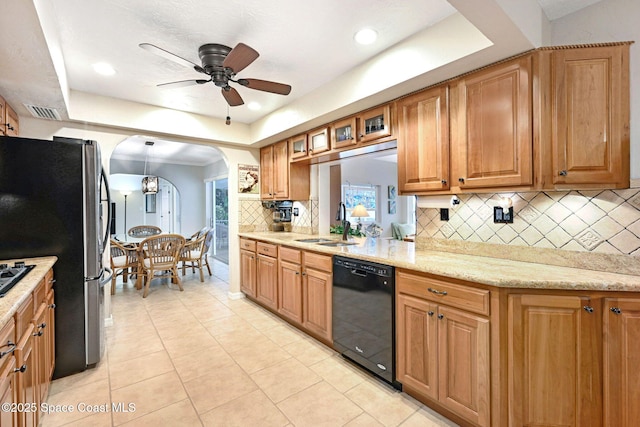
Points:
[(604, 222), (254, 217)]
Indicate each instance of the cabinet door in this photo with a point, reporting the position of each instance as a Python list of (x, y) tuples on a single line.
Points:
[(298, 146), (267, 281), (318, 141), (374, 124), (553, 359), (416, 345), (40, 351), (280, 170), (27, 378), (266, 172), (591, 116), (621, 331), (248, 272), (343, 133), (423, 141), (2, 116), (317, 294), (491, 127), (290, 297), (464, 381), (12, 123), (8, 390), (50, 334)]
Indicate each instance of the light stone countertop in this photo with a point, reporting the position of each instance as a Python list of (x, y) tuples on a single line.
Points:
[(479, 269), (10, 303)]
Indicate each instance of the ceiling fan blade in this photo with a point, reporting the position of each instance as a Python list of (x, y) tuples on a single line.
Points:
[(170, 56), (232, 96), (266, 86), (239, 57), (183, 83)]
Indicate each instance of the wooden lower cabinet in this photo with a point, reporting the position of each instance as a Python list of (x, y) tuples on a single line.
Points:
[(621, 373), (554, 360), (248, 272), (267, 281), (8, 377), (290, 291), (27, 377), (317, 294), (443, 352)]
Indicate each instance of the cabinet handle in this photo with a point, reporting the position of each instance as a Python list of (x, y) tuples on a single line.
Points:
[(297, 273), (437, 292), (52, 281), (12, 346), (461, 180), (304, 273), (615, 310), (52, 305), (430, 313), (440, 316), (563, 173), (444, 182), (588, 308), (8, 125), (21, 369)]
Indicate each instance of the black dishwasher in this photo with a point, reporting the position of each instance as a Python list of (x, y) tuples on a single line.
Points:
[(364, 315)]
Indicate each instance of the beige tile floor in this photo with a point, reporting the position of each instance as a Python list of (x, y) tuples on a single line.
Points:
[(199, 358)]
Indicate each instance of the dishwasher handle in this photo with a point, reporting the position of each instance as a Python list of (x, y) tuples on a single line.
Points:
[(360, 273)]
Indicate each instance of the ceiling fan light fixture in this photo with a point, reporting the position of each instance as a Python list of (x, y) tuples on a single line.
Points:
[(149, 183), (366, 36)]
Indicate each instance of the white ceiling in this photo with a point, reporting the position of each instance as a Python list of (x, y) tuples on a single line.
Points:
[(52, 46)]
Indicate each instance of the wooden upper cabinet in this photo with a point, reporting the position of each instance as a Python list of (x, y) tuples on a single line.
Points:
[(12, 122), (590, 116), (374, 124), (423, 141), (298, 146), (280, 179), (491, 128), (318, 141), (343, 133)]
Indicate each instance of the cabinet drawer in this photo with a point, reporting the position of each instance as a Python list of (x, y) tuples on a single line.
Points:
[(48, 280), (267, 249), (460, 296), (7, 335), (249, 245), (317, 261), (24, 316), (290, 254)]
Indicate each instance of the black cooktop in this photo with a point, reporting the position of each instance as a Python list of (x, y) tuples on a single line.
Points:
[(11, 275)]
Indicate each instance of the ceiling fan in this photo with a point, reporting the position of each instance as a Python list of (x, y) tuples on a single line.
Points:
[(221, 64)]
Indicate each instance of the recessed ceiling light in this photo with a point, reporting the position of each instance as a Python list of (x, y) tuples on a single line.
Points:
[(366, 36), (104, 69), (254, 106)]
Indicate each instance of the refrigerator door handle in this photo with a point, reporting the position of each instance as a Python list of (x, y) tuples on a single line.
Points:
[(103, 177)]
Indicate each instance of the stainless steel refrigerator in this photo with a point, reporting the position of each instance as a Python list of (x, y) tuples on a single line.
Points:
[(54, 200)]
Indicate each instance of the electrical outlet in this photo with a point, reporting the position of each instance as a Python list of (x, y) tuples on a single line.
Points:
[(296, 212), (499, 216), (444, 214)]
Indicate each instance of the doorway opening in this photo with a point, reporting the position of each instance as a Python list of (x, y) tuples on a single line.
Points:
[(218, 217)]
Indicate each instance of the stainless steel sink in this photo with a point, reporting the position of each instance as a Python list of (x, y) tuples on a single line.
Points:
[(337, 244), (313, 240)]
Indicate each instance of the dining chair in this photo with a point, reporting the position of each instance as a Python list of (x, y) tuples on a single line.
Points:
[(194, 254), (160, 254), (123, 258), (144, 231)]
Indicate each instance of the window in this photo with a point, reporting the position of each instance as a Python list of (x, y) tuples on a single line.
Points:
[(367, 195)]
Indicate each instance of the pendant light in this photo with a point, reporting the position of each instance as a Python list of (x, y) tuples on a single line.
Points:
[(149, 183)]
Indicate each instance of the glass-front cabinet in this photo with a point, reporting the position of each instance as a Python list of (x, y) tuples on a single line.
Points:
[(343, 133), (374, 124), (298, 146), (318, 141)]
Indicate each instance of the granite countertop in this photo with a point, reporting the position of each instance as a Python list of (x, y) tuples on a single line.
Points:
[(473, 268), (10, 303)]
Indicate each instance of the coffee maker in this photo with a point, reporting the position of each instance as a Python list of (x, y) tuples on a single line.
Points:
[(281, 213)]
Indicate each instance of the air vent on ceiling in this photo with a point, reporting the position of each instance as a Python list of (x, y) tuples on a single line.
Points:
[(43, 112)]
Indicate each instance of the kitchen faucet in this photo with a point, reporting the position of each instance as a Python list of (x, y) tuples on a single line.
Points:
[(342, 216)]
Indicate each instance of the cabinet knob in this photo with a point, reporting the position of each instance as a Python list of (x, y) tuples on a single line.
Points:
[(444, 182), (297, 273), (304, 273), (615, 310), (21, 369), (52, 305), (588, 308), (8, 125), (440, 316), (461, 180), (430, 313), (562, 173)]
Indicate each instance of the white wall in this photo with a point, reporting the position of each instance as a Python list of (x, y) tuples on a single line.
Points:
[(609, 21)]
